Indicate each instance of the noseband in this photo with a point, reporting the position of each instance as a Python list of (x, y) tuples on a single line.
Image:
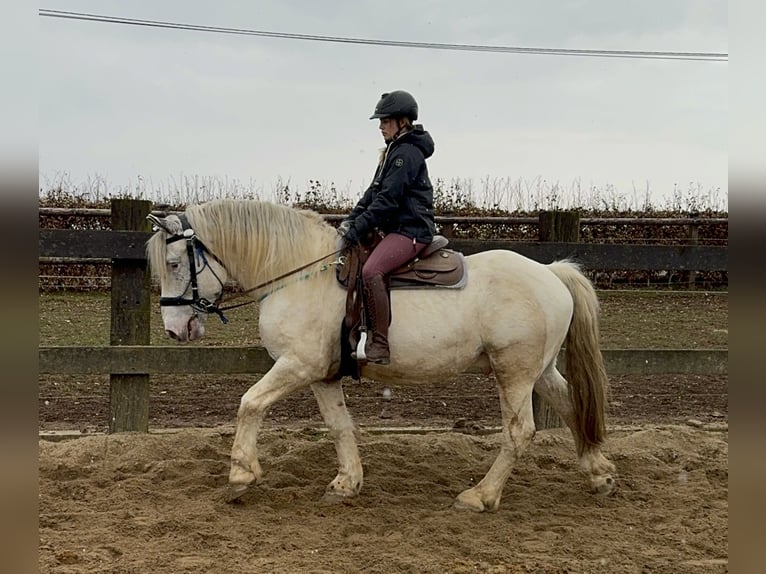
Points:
[(196, 302)]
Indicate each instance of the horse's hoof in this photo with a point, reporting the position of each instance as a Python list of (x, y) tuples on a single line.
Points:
[(459, 505), (330, 498), (234, 492), (241, 473), (468, 502), (603, 485)]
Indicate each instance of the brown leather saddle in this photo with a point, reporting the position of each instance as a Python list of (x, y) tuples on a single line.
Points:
[(435, 267)]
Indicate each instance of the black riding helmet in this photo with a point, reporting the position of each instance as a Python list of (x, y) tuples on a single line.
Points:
[(396, 104)]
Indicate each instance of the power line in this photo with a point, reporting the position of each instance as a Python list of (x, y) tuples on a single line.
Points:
[(652, 55)]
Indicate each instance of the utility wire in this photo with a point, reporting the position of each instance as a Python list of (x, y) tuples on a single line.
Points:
[(707, 56)]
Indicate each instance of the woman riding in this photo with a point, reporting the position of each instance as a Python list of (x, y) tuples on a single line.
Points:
[(398, 205)]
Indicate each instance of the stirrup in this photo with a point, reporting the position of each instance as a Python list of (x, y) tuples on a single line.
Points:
[(360, 355)]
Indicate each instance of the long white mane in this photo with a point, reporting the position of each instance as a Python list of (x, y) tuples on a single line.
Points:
[(256, 240)]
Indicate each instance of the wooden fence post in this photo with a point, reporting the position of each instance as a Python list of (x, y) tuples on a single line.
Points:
[(129, 393), (690, 275), (559, 227)]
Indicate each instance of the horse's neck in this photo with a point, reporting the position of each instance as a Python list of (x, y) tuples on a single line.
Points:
[(282, 260)]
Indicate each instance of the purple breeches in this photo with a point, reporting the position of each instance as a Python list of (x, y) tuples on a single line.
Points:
[(391, 253)]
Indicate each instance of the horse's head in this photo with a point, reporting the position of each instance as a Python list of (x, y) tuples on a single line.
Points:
[(191, 277)]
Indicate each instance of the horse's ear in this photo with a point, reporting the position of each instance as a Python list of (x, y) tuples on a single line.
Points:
[(170, 225)]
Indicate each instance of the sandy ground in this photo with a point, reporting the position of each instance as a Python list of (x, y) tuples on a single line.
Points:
[(154, 503)]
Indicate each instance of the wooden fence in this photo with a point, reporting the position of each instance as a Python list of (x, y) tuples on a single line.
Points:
[(130, 360)]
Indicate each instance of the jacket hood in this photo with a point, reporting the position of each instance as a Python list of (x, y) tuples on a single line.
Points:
[(420, 138)]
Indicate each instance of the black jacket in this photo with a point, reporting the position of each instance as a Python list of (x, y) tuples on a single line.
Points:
[(400, 198)]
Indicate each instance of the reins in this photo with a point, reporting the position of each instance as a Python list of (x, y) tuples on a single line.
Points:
[(272, 281)]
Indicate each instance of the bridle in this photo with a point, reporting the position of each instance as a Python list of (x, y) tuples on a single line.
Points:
[(201, 304), (193, 244)]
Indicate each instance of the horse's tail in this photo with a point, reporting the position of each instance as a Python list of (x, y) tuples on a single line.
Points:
[(585, 371)]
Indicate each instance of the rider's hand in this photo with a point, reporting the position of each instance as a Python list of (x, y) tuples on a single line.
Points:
[(351, 236), (349, 233)]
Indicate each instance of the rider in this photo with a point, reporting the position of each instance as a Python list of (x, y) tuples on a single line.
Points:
[(398, 205)]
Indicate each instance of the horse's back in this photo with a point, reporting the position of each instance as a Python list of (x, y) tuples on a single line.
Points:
[(501, 285), (508, 301), (516, 274)]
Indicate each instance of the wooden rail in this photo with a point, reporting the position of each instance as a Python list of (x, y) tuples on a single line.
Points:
[(104, 244), (449, 219), (195, 359)]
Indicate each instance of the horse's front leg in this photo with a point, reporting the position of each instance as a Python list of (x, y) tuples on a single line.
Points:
[(332, 405), (282, 379)]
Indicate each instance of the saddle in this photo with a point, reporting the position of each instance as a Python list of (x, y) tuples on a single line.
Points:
[(434, 268)]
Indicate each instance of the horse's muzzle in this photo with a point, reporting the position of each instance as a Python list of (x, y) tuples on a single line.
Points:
[(189, 331)]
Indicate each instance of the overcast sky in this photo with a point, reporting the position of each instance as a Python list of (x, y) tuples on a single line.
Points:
[(120, 101)]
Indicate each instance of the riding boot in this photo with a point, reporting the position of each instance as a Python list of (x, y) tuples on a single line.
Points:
[(379, 312)]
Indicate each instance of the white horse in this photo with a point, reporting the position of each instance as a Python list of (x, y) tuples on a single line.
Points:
[(511, 318)]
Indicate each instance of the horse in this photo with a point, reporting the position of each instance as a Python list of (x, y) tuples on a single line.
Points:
[(511, 319)]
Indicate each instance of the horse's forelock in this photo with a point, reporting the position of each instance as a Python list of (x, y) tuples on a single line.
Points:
[(155, 252)]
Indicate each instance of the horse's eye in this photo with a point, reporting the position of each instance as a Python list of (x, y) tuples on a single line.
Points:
[(174, 266)]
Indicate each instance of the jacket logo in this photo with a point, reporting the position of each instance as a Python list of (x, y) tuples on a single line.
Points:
[(398, 162)]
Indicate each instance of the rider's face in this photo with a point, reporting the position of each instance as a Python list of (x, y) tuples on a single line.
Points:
[(389, 127)]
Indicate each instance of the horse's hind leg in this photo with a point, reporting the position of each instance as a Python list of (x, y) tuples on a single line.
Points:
[(515, 389), (332, 405), (554, 389)]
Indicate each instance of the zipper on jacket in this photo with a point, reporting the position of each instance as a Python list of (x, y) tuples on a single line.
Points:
[(382, 166)]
